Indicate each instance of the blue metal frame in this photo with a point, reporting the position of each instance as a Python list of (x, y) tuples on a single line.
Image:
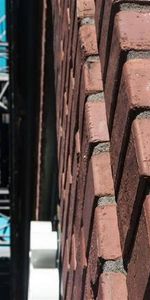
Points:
[(4, 219), (3, 37)]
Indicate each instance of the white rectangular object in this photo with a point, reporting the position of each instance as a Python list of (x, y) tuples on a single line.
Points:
[(43, 284), (43, 245)]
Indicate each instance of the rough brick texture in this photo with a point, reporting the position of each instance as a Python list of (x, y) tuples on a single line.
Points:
[(102, 80)]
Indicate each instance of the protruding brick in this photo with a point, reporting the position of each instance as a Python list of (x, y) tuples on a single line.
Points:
[(85, 8), (95, 117), (102, 176), (141, 136), (95, 130), (68, 184), (88, 291), (94, 268), (92, 76), (72, 200), (107, 232), (131, 32), (99, 8), (99, 183), (74, 108), (112, 286), (65, 268), (133, 97), (139, 286), (135, 175), (81, 270), (91, 83), (73, 265), (88, 40), (105, 14)]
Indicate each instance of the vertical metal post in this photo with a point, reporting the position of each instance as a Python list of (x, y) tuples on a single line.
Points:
[(25, 38)]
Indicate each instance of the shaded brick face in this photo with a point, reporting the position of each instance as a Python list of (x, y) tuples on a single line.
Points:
[(102, 74)]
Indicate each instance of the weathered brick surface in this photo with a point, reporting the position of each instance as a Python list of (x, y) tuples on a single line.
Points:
[(99, 183), (103, 183), (72, 200), (85, 8), (130, 33), (73, 265), (80, 274), (88, 291), (92, 72), (139, 289), (107, 233), (134, 180), (99, 9), (65, 269), (87, 36), (112, 286), (95, 119), (95, 130), (93, 260), (133, 97)]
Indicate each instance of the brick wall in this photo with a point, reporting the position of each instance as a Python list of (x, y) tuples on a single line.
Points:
[(102, 81)]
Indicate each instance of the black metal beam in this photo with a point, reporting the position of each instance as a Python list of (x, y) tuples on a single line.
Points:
[(49, 167), (25, 35), (25, 30)]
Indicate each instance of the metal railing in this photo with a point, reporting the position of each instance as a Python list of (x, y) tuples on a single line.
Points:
[(4, 83), (3, 28), (4, 217), (4, 78)]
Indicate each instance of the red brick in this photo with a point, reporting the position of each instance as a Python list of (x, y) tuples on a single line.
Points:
[(93, 259), (72, 5), (87, 36), (65, 24), (73, 262), (68, 16), (60, 160), (66, 204), (112, 286), (73, 199), (134, 96), (79, 203), (75, 41), (92, 76), (99, 7), (73, 119), (99, 183), (81, 104), (139, 265), (64, 65), (77, 142), (72, 269), (69, 64), (103, 16), (88, 291), (107, 232), (91, 82), (70, 284), (65, 269), (131, 32), (81, 255), (105, 13), (68, 120), (85, 8), (95, 130), (136, 171), (101, 170), (81, 270), (96, 123), (61, 177)]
